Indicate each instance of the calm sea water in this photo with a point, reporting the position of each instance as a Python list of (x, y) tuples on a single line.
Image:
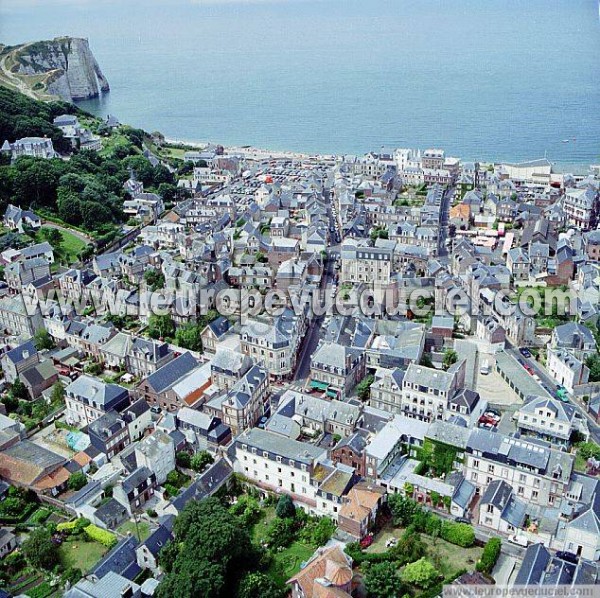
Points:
[(490, 79)]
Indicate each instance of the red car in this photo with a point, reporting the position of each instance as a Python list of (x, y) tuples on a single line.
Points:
[(366, 541)]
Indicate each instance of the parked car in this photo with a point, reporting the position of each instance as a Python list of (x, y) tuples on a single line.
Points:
[(485, 368), (519, 540), (462, 520), (525, 352)]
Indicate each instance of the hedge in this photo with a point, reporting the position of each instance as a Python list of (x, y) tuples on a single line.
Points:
[(97, 534), (489, 556), (461, 534), (74, 526), (354, 551)]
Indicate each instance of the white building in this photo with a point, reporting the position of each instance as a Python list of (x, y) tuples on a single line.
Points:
[(157, 453)]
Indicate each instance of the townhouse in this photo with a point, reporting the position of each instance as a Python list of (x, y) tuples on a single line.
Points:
[(336, 368), (88, 398)]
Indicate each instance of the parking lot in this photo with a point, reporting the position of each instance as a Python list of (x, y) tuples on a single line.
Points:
[(494, 389)]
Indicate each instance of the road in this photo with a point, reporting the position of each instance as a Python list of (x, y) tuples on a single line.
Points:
[(551, 386), (315, 328)]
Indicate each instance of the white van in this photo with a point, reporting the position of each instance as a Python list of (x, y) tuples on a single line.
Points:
[(519, 540), (485, 368)]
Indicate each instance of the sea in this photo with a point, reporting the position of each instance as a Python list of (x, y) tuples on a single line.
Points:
[(484, 79)]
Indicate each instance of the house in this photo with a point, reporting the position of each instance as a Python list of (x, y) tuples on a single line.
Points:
[(426, 392), (362, 263), (591, 243), (109, 433), (245, 403), (19, 318), (87, 398), (15, 218), (567, 369), (359, 509), (201, 430), (19, 359), (8, 542), (327, 573), (227, 367), (500, 509), (112, 585), (278, 464), (135, 490), (351, 451), (138, 418), (148, 551), (156, 389), (581, 207), (575, 337), (156, 452), (36, 147), (121, 560), (213, 333), (582, 534), (39, 377)]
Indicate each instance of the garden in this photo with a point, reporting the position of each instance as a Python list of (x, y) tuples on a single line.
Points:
[(53, 554), (416, 552)]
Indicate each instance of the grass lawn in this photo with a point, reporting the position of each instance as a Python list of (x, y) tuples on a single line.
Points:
[(287, 562), (448, 558), (69, 248), (259, 529), (580, 463), (80, 554), (129, 526)]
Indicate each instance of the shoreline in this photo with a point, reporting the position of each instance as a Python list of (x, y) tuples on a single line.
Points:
[(559, 167)]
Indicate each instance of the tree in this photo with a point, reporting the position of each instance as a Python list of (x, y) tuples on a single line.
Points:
[(593, 363), (211, 550), (450, 357), (58, 393), (42, 339), (285, 507), (19, 390), (403, 509), (53, 236), (155, 279), (382, 581), (280, 533), (363, 388), (259, 585), (189, 337), (421, 573), (39, 549), (161, 326), (183, 459), (77, 481), (426, 360), (200, 460)]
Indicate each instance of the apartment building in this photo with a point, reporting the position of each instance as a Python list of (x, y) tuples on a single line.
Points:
[(274, 344), (538, 473), (278, 464), (426, 392), (363, 263), (336, 368), (581, 207), (548, 419)]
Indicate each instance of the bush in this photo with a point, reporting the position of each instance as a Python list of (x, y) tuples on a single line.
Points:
[(77, 481), (285, 507), (489, 556), (183, 459), (97, 534), (73, 527), (247, 509), (41, 591), (461, 534)]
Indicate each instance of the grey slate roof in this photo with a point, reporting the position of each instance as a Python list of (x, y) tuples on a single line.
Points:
[(166, 376)]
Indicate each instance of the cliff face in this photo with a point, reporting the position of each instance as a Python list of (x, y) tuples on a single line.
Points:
[(63, 67)]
